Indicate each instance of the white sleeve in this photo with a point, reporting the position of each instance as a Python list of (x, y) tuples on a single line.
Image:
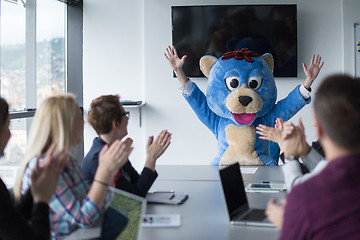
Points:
[(312, 159), (291, 171), (306, 94), (186, 89), (293, 175)]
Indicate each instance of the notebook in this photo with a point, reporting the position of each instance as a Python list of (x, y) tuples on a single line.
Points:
[(236, 200)]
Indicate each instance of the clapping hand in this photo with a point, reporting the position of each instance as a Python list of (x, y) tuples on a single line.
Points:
[(155, 149), (112, 158), (273, 134)]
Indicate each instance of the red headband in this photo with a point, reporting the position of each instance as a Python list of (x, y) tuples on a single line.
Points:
[(240, 55)]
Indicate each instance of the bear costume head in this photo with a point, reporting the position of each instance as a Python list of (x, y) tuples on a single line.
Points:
[(241, 86)]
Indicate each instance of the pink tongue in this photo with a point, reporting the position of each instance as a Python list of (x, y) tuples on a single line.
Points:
[(244, 118)]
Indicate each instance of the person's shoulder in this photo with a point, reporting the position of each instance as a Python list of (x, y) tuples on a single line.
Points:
[(97, 143), (94, 151)]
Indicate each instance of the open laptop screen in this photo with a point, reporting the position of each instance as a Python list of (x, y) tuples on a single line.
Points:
[(131, 206), (233, 187)]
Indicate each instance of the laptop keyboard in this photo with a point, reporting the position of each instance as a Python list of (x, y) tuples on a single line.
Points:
[(255, 215)]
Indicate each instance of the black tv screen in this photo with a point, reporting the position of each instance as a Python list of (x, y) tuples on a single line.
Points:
[(216, 29)]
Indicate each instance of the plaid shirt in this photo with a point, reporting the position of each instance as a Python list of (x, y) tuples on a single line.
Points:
[(70, 207)]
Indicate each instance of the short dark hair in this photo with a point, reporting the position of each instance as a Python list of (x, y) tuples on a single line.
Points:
[(337, 109), (104, 110), (4, 112)]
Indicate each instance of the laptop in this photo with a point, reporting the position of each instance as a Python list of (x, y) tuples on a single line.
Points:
[(131, 206), (122, 219), (236, 200)]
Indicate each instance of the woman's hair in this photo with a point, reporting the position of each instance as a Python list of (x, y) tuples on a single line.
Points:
[(104, 110), (4, 112), (52, 123)]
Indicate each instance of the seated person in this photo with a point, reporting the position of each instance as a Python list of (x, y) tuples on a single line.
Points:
[(327, 205), (110, 120), (29, 217), (310, 158), (75, 204)]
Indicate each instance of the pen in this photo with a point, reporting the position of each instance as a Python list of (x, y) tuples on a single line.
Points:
[(265, 182)]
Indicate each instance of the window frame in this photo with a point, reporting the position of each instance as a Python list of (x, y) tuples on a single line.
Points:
[(73, 59)]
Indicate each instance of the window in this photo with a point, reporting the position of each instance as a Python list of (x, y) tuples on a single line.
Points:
[(50, 48), (33, 35), (13, 54)]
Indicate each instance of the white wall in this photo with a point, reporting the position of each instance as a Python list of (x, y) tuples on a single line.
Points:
[(114, 59), (124, 42)]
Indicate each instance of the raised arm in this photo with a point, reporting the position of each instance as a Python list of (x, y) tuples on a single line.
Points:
[(312, 71), (176, 64)]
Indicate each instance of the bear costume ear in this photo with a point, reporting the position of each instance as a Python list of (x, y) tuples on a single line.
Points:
[(268, 58), (206, 63)]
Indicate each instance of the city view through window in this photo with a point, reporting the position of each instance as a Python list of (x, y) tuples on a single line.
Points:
[(49, 45)]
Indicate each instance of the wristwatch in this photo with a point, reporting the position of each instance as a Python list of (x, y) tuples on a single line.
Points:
[(290, 158)]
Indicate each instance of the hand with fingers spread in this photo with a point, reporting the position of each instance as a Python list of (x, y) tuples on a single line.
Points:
[(155, 149), (275, 212), (312, 71), (176, 64), (111, 159), (270, 133), (291, 138), (45, 177)]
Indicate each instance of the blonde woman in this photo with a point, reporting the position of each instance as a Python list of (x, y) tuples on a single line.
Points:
[(75, 203), (29, 217)]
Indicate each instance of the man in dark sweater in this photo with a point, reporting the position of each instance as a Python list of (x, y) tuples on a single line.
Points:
[(327, 206), (110, 120)]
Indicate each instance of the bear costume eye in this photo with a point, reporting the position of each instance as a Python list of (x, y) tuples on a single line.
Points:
[(232, 83), (254, 83)]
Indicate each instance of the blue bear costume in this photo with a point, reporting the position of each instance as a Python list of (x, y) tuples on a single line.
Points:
[(241, 94)]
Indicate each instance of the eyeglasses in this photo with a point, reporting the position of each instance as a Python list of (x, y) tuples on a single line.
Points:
[(127, 114)]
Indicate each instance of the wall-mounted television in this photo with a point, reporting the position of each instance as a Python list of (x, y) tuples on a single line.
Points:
[(216, 29)]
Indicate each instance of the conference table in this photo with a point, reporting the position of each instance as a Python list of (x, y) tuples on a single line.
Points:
[(204, 215)]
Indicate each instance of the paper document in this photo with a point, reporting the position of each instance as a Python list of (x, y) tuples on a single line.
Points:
[(248, 170), (154, 220)]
